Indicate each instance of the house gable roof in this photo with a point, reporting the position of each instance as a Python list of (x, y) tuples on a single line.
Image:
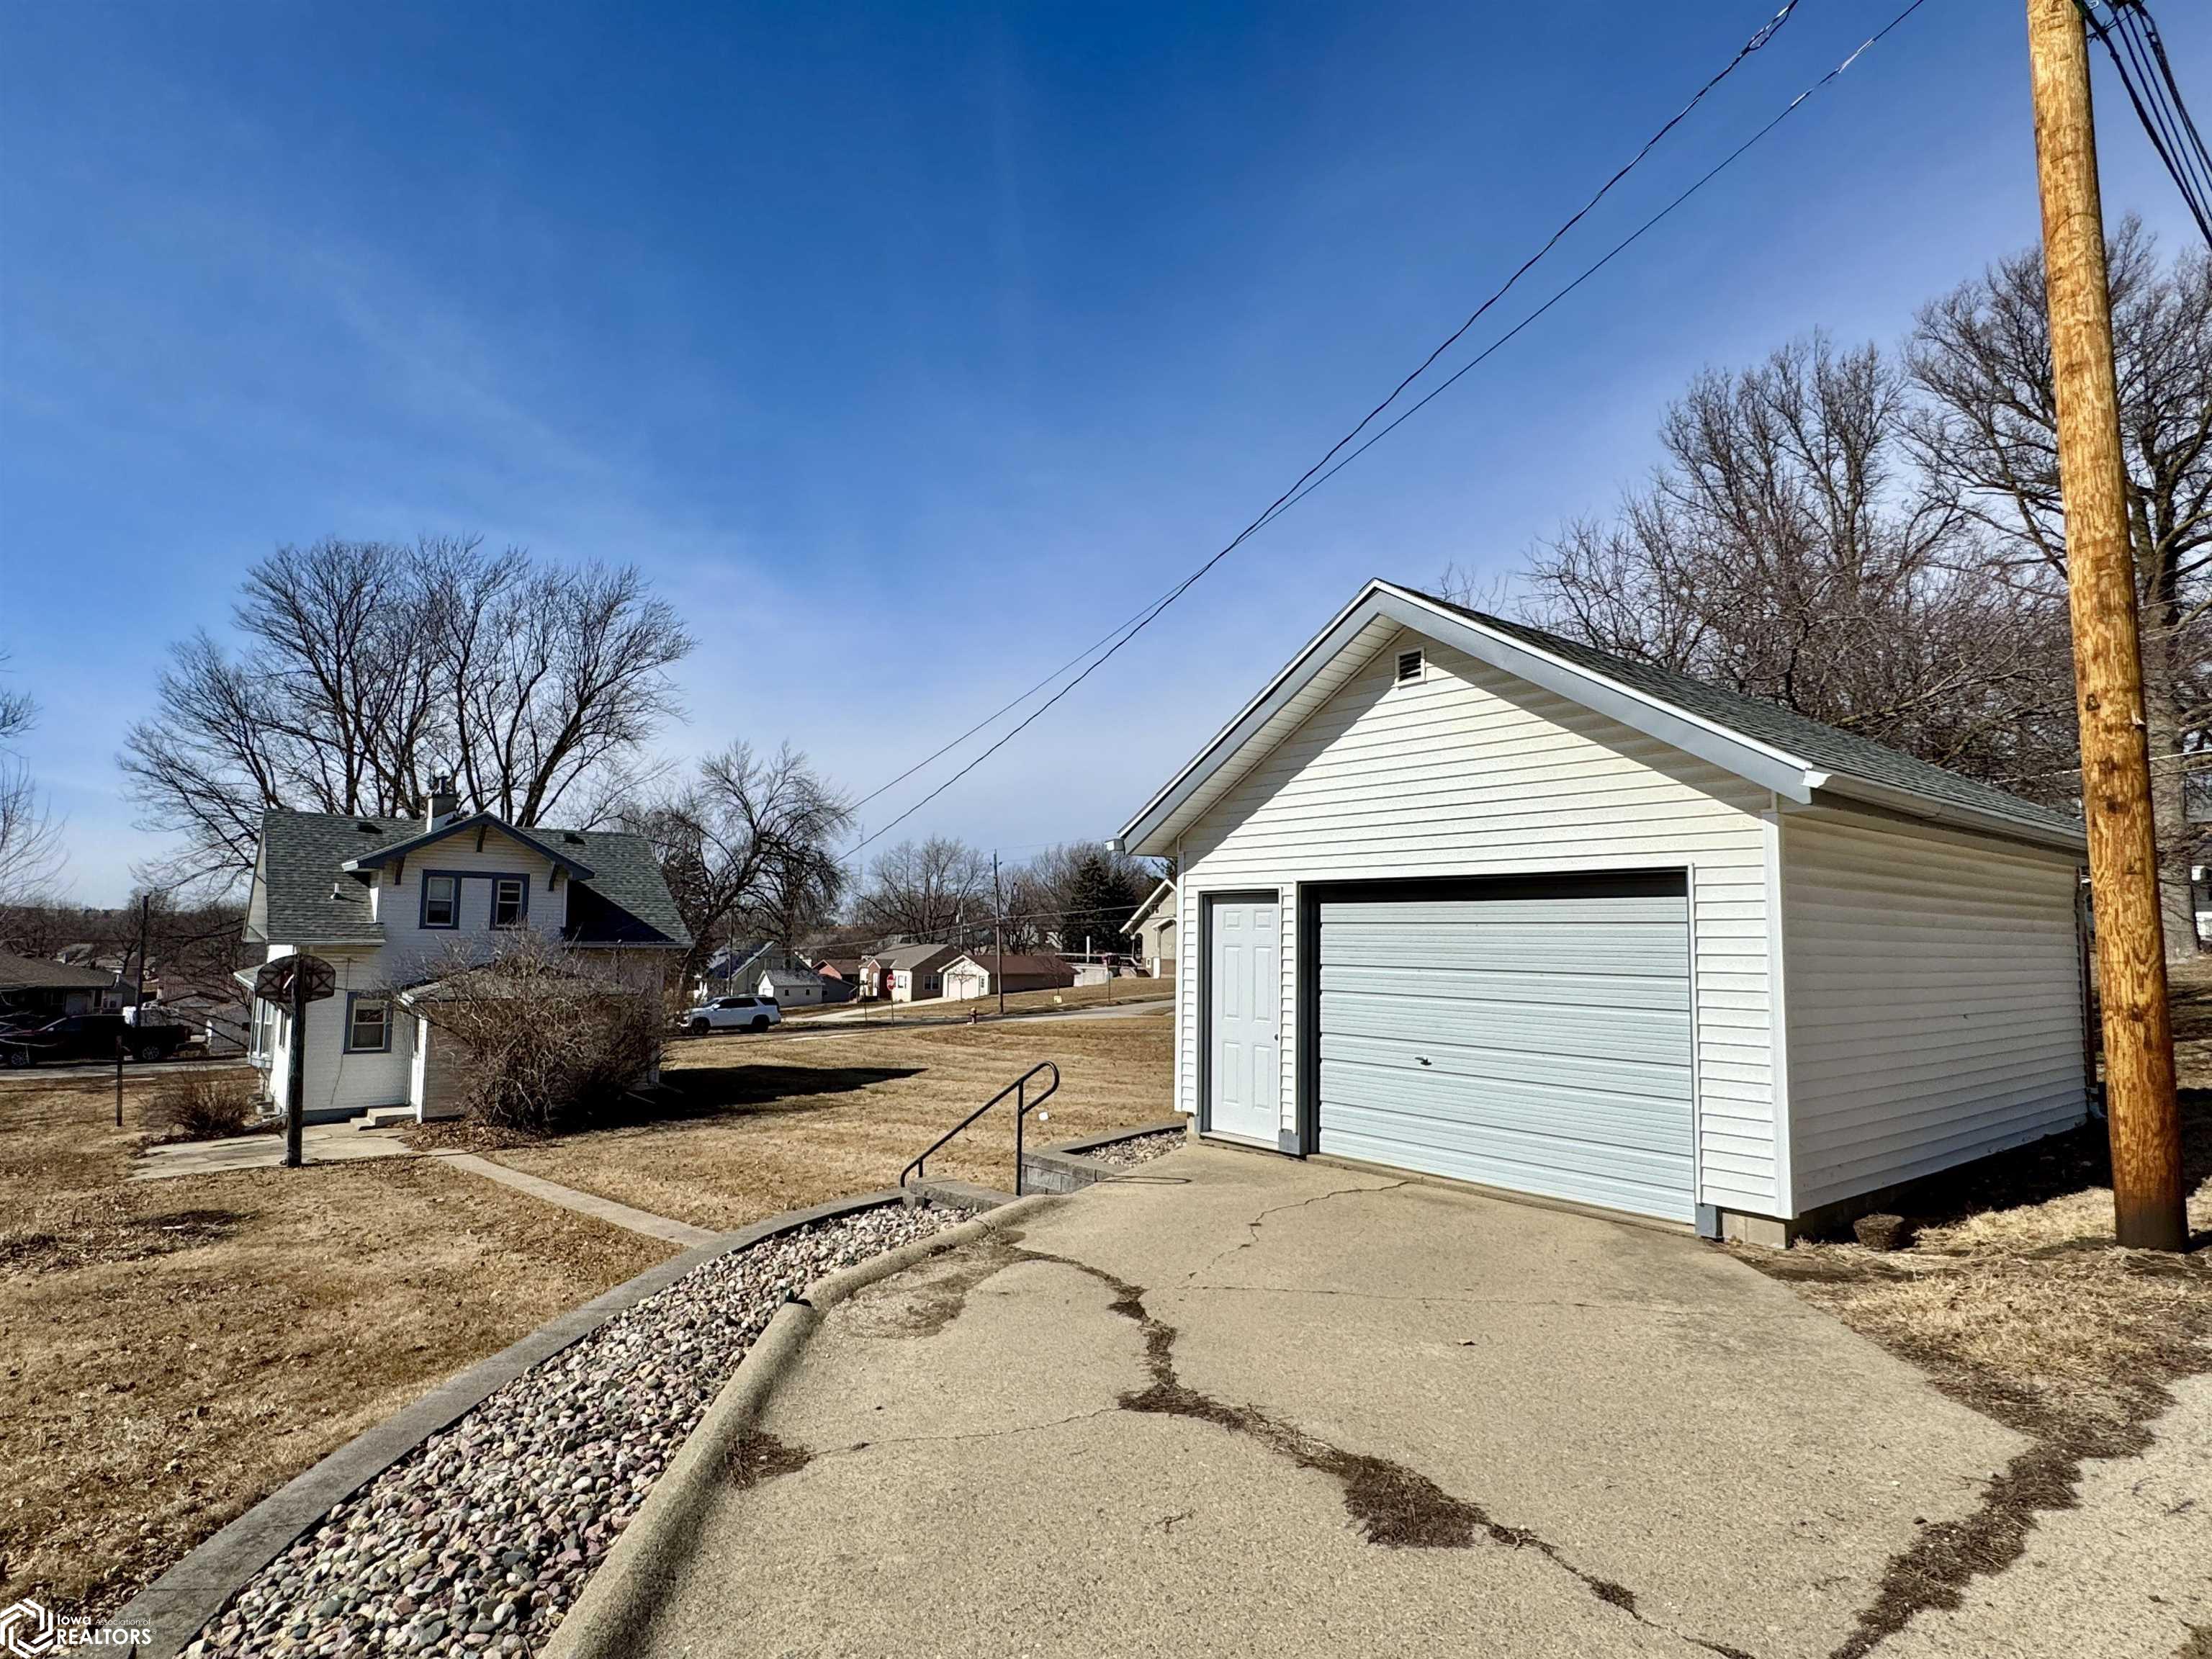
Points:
[(457, 823), (1153, 900), (912, 958), (305, 895), (1761, 742)]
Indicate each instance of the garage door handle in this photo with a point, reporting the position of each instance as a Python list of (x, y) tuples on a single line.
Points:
[(1423, 1058)]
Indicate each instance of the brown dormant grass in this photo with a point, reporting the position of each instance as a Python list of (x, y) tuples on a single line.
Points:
[(176, 1350), (775, 1123), (1017, 1002)]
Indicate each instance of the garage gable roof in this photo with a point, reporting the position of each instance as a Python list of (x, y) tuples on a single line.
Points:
[(1761, 742)]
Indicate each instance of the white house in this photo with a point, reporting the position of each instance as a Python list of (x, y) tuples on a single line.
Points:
[(1475, 901), (1153, 924), (389, 902), (791, 988), (906, 973)]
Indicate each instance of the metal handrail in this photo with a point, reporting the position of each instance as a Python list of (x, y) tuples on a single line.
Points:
[(1022, 1107)]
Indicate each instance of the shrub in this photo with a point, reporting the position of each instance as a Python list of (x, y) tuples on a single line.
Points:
[(203, 1105), (553, 1042)]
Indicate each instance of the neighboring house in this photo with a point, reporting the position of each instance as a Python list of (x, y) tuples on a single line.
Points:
[(392, 902), (979, 973), (1153, 926), (846, 968), (33, 989), (223, 1021), (790, 988), (728, 969), (1472, 900), (906, 973)]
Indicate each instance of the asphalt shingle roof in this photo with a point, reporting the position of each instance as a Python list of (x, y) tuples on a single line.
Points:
[(1814, 742), (311, 901), (28, 973)]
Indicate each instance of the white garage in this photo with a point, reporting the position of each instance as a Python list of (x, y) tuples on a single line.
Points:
[(1481, 903)]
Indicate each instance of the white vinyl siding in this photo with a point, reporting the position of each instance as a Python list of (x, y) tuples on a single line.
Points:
[(1934, 1001), (1471, 772), (409, 946), (337, 1083)]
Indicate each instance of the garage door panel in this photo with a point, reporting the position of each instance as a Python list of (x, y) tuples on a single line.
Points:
[(1540, 1044), (1644, 948), (1517, 1111), (1496, 983), (1595, 1032), (1660, 1073), (1641, 1184), (1565, 910)]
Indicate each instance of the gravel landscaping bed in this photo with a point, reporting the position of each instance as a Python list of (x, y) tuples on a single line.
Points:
[(1143, 1149), (482, 1540)]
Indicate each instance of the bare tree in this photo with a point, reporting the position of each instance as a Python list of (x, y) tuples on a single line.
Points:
[(750, 842), (1787, 547), (367, 666), (31, 852), (1986, 437), (928, 889)]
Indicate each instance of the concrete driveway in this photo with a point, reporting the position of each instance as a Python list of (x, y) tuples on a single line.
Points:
[(1236, 1404)]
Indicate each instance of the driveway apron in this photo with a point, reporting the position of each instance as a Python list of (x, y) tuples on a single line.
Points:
[(1237, 1404)]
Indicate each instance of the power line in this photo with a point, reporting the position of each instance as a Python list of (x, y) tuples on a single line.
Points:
[(2131, 40), (1759, 38), (1315, 476), (1611, 253)]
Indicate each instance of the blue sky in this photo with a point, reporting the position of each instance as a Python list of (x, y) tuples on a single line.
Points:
[(908, 349)]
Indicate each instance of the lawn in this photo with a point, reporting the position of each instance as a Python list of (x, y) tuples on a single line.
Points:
[(1017, 1002), (176, 1350), (770, 1124)]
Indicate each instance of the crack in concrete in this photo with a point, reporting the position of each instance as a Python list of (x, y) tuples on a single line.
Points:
[(1252, 1227), (1395, 1506)]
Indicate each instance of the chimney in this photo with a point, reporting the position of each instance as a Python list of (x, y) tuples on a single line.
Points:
[(443, 801)]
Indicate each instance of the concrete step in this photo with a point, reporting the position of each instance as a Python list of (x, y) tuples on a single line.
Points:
[(959, 1194), (388, 1117)]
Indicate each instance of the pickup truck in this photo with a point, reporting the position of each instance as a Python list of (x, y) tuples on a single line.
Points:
[(87, 1036)]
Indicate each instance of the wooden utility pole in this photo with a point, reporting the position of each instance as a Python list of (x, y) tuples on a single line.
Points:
[(998, 934), (2139, 1083)]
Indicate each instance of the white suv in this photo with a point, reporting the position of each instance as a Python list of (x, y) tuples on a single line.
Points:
[(733, 1014)]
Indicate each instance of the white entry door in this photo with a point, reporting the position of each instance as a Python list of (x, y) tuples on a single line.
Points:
[(1244, 1001)]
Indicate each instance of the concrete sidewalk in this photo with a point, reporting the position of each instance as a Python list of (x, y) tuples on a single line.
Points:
[(1237, 1404)]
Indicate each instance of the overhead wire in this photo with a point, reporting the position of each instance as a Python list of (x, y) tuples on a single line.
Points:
[(1758, 39), (1315, 476), (2131, 37)]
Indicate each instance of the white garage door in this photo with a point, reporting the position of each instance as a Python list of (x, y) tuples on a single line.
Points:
[(1538, 1043), (964, 983)]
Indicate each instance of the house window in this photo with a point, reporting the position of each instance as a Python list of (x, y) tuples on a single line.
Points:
[(507, 901), (368, 1024), (441, 901)]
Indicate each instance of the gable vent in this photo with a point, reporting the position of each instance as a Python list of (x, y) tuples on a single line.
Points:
[(1410, 664)]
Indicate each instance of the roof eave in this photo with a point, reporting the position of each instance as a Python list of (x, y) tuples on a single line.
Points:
[(1952, 814)]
